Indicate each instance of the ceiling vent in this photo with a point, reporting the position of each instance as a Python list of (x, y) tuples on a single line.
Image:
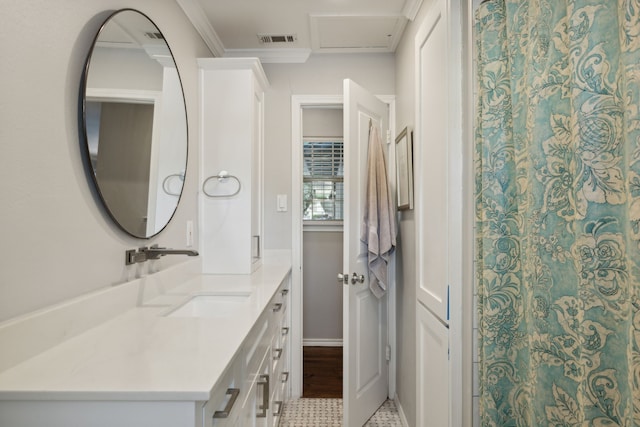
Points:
[(277, 38), (154, 35)]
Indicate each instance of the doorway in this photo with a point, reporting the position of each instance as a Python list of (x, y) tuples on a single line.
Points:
[(322, 218), (363, 334)]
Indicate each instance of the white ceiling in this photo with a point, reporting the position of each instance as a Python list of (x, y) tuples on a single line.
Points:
[(234, 27)]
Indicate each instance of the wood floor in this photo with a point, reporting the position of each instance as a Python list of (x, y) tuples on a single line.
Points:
[(322, 367)]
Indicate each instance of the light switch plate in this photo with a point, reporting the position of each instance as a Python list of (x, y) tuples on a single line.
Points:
[(282, 203)]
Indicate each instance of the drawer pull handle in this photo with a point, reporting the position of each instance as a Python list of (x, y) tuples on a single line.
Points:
[(277, 307), (285, 377), (265, 396), (234, 393), (278, 352), (279, 411), (284, 292), (285, 330)]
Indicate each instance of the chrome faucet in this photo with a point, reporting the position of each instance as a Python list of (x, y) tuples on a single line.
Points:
[(145, 253)]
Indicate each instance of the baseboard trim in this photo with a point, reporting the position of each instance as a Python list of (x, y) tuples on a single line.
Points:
[(322, 342), (403, 418)]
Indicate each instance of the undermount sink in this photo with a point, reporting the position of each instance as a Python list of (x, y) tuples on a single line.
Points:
[(212, 306)]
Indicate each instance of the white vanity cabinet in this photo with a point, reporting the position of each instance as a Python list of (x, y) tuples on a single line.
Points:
[(151, 367), (262, 363), (232, 137)]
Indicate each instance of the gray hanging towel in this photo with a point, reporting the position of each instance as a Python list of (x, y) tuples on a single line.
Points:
[(378, 229)]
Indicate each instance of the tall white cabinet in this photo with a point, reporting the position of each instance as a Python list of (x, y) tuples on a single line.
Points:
[(438, 189), (232, 137)]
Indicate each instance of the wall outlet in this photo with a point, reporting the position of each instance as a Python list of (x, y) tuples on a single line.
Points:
[(189, 233)]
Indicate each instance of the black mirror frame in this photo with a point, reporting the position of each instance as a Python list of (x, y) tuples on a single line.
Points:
[(84, 136)]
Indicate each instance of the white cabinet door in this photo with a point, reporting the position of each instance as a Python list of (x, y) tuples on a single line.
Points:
[(433, 370), (257, 168), (232, 134), (432, 144)]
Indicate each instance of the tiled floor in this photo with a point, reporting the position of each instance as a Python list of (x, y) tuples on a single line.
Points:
[(328, 413)]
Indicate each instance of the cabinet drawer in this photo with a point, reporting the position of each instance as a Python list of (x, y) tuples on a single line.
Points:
[(256, 406), (284, 370), (222, 408), (280, 340), (277, 355), (279, 317), (277, 405), (279, 388), (279, 302), (257, 346), (283, 333), (279, 398), (278, 307)]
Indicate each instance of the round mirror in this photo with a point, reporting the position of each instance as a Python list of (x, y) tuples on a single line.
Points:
[(135, 123)]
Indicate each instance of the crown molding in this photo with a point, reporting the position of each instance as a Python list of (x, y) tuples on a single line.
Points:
[(254, 64), (411, 8), (272, 56), (198, 18)]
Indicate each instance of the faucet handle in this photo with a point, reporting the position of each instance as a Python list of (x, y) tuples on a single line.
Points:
[(152, 252), (133, 256)]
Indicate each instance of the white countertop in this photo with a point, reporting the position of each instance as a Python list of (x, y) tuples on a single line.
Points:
[(142, 354)]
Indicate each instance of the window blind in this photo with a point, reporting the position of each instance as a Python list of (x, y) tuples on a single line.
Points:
[(323, 180)]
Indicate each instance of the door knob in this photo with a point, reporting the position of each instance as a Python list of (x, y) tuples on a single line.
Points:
[(343, 278), (357, 279)]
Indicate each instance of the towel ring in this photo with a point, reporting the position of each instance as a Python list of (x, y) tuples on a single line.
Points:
[(165, 183), (222, 177)]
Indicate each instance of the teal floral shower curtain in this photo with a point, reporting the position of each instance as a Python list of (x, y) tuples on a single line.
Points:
[(558, 212)]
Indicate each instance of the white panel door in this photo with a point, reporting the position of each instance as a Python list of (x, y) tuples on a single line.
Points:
[(365, 369), (432, 160), (433, 370)]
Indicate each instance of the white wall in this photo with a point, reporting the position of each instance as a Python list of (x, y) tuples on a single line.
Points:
[(322, 322), (57, 242), (320, 75), (322, 250), (322, 122), (406, 249), (406, 296)]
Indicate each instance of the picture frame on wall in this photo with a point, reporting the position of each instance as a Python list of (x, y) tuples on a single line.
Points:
[(404, 169)]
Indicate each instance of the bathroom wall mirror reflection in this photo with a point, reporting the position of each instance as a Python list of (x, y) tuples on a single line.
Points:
[(135, 124)]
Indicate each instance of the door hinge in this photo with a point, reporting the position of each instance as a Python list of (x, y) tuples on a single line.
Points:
[(388, 353), (388, 136)]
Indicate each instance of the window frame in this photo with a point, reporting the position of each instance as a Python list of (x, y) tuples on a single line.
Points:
[(321, 224)]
